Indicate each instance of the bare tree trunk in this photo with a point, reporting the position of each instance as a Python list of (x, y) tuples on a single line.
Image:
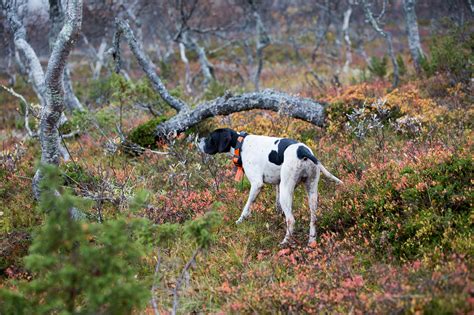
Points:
[(413, 33), (263, 40), (70, 99), (97, 55), (187, 75), (51, 113), (56, 17), (206, 67), (347, 39), (33, 65), (322, 26), (388, 39)]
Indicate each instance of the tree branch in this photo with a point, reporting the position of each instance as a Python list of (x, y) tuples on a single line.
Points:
[(123, 28)]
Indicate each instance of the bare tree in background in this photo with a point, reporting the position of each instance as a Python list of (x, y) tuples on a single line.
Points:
[(185, 37), (263, 40), (413, 34), (347, 39), (49, 86), (374, 22)]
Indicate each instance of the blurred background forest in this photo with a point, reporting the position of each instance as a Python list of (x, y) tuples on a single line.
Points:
[(125, 215)]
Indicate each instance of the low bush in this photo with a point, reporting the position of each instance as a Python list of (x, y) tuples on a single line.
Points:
[(419, 209), (80, 267), (451, 54)]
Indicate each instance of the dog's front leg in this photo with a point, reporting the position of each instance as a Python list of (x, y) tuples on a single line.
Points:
[(254, 191)]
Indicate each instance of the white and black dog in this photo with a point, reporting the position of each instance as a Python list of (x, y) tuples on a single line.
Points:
[(278, 161)]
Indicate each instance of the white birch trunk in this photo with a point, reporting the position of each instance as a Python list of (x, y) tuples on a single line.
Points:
[(413, 34)]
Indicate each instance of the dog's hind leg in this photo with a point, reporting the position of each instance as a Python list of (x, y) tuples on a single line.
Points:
[(312, 189), (287, 188), (277, 201), (255, 188)]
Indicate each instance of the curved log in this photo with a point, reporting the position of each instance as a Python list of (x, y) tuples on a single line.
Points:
[(285, 104)]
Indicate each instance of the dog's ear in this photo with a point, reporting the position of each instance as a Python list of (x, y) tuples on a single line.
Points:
[(224, 141)]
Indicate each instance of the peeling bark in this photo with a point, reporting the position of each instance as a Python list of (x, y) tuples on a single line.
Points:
[(123, 28), (413, 33), (292, 106)]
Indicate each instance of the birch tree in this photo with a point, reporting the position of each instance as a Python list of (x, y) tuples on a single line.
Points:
[(413, 34), (49, 86), (56, 17)]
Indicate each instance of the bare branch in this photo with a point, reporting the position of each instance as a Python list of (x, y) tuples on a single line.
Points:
[(388, 39), (27, 109), (52, 112), (123, 28), (180, 279)]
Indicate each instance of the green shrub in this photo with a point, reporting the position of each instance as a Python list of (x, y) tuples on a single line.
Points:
[(74, 173), (451, 54), (378, 67), (80, 267), (402, 68), (429, 213), (145, 134)]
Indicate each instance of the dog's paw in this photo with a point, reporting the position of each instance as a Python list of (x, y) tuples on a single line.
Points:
[(240, 220)]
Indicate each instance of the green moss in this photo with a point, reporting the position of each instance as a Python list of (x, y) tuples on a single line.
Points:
[(144, 135)]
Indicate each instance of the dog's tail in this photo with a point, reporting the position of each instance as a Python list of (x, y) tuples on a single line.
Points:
[(304, 153)]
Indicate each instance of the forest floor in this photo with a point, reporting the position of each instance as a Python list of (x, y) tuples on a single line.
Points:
[(396, 237)]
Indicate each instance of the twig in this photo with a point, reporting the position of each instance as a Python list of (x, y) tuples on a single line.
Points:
[(153, 287), (179, 282), (27, 109)]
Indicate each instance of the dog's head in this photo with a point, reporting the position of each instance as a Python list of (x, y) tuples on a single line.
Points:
[(219, 141)]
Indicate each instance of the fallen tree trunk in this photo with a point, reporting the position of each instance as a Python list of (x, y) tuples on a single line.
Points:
[(287, 105)]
